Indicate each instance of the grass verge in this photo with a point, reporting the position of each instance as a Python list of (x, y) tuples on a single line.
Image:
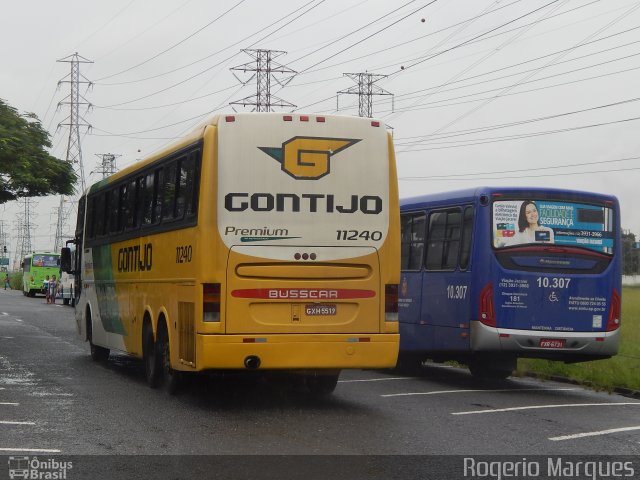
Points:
[(620, 371)]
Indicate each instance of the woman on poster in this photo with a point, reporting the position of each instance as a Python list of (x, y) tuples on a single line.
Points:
[(529, 228)]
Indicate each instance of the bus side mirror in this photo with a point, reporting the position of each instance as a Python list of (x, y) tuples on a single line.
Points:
[(65, 260)]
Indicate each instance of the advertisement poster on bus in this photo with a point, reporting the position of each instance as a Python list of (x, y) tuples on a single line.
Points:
[(535, 221)]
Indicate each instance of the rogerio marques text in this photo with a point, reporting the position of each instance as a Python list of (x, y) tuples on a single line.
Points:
[(599, 468)]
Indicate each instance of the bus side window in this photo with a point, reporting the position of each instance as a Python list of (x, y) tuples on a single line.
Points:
[(113, 206), (412, 240), (91, 224), (181, 186), (443, 240), (169, 191), (184, 196), (80, 220), (128, 217), (99, 215), (156, 211), (452, 240), (147, 199), (467, 229), (192, 198)]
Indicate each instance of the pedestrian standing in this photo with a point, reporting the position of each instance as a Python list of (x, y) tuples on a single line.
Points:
[(53, 289)]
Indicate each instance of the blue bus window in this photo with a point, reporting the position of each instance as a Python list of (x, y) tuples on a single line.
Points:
[(412, 240)]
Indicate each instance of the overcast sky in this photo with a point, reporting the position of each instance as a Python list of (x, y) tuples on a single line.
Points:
[(510, 92)]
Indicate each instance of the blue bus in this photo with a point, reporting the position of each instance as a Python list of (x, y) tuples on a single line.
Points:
[(493, 274)]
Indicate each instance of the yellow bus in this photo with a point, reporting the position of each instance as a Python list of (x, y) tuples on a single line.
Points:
[(261, 241)]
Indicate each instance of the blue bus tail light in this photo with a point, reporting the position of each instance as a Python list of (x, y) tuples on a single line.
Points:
[(613, 322), (487, 313), (391, 303), (211, 302)]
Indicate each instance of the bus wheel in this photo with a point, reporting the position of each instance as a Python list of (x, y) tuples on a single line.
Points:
[(98, 354), (322, 384), (152, 367), (492, 366), (170, 377)]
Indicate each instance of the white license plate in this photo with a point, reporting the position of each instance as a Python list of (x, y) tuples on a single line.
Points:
[(316, 310)]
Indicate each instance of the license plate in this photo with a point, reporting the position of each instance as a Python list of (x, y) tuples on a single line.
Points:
[(552, 343), (315, 310)]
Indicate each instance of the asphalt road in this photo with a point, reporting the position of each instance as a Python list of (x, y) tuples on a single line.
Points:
[(55, 400)]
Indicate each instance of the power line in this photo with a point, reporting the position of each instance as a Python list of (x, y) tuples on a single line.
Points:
[(175, 44), (554, 167), (281, 19), (519, 177), (548, 64), (521, 136), (371, 35), (408, 94), (486, 128)]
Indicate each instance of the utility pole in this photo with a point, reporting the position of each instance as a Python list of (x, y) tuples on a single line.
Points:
[(108, 165), (74, 121), (264, 69), (365, 89)]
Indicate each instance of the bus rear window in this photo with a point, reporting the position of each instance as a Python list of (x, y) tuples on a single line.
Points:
[(45, 261), (552, 222)]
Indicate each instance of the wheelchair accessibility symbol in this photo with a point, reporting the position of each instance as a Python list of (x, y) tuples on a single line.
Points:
[(553, 297)]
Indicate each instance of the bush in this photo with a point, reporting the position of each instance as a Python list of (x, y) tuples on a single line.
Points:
[(15, 280)]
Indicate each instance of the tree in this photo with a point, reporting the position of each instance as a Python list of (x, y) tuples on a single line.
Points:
[(26, 169), (630, 254)]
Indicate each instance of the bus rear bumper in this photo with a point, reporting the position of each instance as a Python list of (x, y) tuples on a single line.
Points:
[(296, 351), (530, 343)]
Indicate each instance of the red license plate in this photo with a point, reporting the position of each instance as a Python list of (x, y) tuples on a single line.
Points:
[(552, 343), (314, 310)]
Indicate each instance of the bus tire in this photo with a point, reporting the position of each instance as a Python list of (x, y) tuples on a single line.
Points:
[(321, 385), (409, 363), (170, 378), (497, 367), (152, 367), (98, 354)]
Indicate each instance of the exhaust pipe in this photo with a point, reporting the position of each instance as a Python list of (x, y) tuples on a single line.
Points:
[(252, 362)]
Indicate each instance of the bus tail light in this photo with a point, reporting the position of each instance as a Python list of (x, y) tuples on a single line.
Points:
[(613, 321), (391, 303), (487, 313), (211, 302)]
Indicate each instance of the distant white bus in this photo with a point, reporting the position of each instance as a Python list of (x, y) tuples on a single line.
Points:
[(66, 289)]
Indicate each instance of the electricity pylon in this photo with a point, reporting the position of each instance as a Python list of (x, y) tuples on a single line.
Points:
[(264, 69), (365, 89), (74, 121)]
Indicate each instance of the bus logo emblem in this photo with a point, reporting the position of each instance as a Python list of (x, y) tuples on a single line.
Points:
[(308, 158)]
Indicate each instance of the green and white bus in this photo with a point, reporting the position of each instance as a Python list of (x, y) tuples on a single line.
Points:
[(35, 268)]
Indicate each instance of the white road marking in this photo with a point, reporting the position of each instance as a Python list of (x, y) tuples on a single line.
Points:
[(535, 407), (18, 320), (5, 313), (9, 422), (34, 450), (8, 403), (376, 379), (593, 434), (441, 392), (8, 338)]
